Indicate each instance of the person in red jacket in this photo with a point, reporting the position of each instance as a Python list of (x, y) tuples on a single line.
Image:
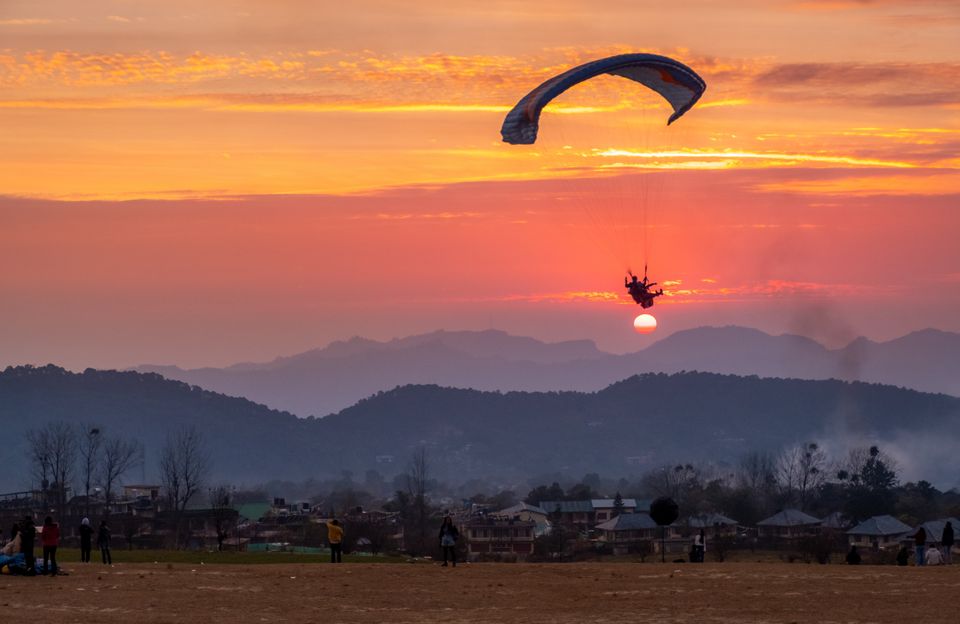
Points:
[(50, 538)]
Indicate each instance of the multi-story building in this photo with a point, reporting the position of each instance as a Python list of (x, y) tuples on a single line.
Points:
[(494, 535)]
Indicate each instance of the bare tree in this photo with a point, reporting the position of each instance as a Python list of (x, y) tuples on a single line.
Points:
[(184, 464), (90, 442), (679, 482), (757, 472), (52, 450), (417, 475), (860, 459), (222, 511), (119, 456), (38, 453), (801, 470)]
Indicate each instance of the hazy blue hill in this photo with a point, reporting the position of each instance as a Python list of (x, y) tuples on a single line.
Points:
[(325, 380), (927, 360), (249, 438), (737, 350), (630, 426)]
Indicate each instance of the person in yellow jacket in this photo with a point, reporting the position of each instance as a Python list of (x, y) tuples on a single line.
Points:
[(335, 537)]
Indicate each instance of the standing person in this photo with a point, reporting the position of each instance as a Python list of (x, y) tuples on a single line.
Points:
[(448, 540), (28, 534), (335, 537), (947, 541), (103, 543), (50, 538), (920, 544), (86, 537), (699, 546)]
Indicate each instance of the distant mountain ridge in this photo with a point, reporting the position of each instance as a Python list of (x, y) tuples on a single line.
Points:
[(322, 381), (627, 428)]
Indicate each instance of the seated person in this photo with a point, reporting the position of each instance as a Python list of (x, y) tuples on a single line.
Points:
[(853, 557)]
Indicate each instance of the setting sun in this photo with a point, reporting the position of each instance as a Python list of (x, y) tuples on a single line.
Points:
[(645, 324)]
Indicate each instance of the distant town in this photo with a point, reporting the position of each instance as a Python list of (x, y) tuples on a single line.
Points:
[(800, 504)]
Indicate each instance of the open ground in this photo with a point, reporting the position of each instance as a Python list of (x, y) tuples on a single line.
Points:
[(590, 592)]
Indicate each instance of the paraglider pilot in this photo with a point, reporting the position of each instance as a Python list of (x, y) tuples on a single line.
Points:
[(641, 290)]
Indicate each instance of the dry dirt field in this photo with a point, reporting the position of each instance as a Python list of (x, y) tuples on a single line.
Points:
[(551, 593)]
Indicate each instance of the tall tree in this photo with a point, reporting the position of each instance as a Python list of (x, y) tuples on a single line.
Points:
[(871, 478), (617, 505), (757, 472), (184, 464), (417, 475), (543, 493), (53, 453), (118, 457), (678, 482), (90, 441), (801, 470), (222, 511), (38, 454)]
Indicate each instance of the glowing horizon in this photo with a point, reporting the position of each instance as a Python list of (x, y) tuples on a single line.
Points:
[(242, 175)]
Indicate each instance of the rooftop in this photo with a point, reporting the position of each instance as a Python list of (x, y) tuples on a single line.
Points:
[(789, 518), (705, 520), (629, 522), (880, 526)]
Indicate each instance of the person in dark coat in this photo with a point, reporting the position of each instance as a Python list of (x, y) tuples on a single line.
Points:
[(448, 540), (86, 539), (946, 540), (103, 542), (903, 557), (920, 544), (853, 557), (28, 535)]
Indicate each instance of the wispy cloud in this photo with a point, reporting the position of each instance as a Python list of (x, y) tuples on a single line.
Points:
[(768, 289), (711, 292), (930, 183), (733, 156), (862, 84), (498, 80), (417, 216), (26, 21), (583, 296)]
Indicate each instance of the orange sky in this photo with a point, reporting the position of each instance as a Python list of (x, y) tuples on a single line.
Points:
[(206, 185)]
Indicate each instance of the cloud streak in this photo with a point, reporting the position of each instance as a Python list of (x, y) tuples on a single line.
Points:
[(483, 79), (731, 156)]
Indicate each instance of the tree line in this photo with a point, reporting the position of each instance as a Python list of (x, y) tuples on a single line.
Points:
[(87, 458), (862, 483)]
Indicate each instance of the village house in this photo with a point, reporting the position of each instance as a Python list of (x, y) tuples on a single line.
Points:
[(489, 536), (626, 532), (836, 521), (576, 514), (605, 508), (713, 525), (584, 514), (637, 532), (788, 524), (530, 513), (878, 532)]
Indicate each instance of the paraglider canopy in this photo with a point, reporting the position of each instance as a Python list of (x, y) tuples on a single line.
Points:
[(677, 83), (664, 511)]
